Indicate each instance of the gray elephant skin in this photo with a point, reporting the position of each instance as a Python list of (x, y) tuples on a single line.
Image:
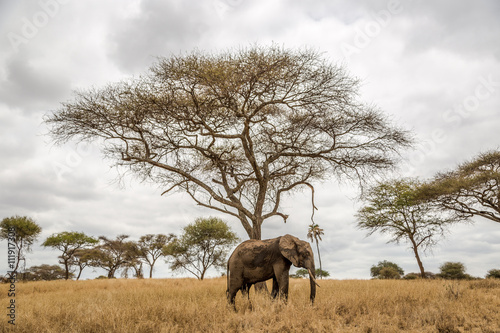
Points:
[(256, 261)]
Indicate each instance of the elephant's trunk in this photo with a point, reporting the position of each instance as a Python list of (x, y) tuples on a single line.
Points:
[(313, 283)]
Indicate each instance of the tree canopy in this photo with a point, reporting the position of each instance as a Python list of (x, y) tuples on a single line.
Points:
[(69, 243), (235, 130), (112, 254), (151, 248), (472, 189), (203, 244), (26, 232)]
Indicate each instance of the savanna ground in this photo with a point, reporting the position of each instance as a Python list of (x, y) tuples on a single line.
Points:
[(188, 305)]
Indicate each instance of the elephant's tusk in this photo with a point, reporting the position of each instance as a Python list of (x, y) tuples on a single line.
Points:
[(312, 277)]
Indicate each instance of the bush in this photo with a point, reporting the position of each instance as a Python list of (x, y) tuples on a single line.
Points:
[(414, 276), (44, 273), (453, 271), (386, 270), (493, 274), (411, 276)]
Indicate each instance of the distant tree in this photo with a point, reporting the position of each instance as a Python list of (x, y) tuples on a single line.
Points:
[(44, 273), (393, 208), (302, 273), (453, 271), (112, 254), (386, 270), (314, 234), (413, 276), (203, 244), (69, 243), (472, 189), (134, 262), (493, 274), (151, 248), (26, 231), (236, 130), (81, 259), (320, 272)]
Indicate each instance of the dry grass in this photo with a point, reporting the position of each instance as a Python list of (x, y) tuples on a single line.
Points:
[(187, 305)]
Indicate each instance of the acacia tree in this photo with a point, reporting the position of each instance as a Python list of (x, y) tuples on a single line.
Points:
[(82, 258), (134, 262), (393, 208), (69, 243), (473, 189), (112, 254), (235, 130), (151, 248), (44, 272), (25, 231), (302, 273), (202, 245)]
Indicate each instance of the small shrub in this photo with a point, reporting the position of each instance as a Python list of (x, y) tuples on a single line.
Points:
[(413, 276), (453, 271), (386, 270), (493, 274)]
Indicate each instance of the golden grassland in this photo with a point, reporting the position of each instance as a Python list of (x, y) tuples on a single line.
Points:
[(188, 305)]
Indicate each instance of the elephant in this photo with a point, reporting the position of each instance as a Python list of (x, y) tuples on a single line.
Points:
[(256, 261)]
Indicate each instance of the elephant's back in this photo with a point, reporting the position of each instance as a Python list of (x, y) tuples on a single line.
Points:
[(255, 244)]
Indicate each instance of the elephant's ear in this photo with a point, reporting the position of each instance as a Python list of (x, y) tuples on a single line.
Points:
[(288, 248)]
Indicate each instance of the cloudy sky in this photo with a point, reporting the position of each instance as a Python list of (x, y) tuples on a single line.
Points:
[(433, 67)]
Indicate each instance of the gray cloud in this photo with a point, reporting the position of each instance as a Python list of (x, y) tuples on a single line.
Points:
[(469, 29), (160, 28), (30, 87)]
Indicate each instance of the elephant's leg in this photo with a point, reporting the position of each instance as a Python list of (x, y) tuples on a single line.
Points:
[(234, 286), (245, 290), (283, 280), (247, 287), (275, 291), (231, 295)]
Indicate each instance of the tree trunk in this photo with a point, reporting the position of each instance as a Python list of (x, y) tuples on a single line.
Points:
[(66, 267), (419, 262), (319, 258), (256, 231), (18, 259), (79, 273)]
